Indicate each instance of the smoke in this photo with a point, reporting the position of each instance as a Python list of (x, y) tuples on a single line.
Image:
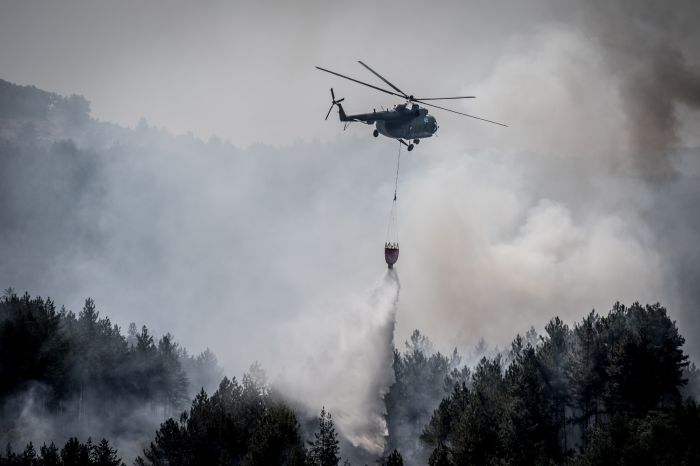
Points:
[(127, 425), (647, 45), (651, 97), (340, 355), (590, 196), (500, 256)]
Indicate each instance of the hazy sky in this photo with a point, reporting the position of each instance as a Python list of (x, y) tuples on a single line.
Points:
[(567, 209), (245, 70)]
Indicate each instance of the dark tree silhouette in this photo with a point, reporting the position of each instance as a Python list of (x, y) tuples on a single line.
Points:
[(606, 391), (440, 456), (422, 378), (75, 453), (32, 347), (394, 459), (324, 450), (50, 456), (80, 368), (610, 389), (104, 455), (240, 424)]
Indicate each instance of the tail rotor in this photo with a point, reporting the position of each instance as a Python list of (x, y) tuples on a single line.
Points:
[(334, 102)]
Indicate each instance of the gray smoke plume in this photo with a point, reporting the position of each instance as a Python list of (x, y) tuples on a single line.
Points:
[(589, 197), (340, 355), (649, 46), (128, 425)]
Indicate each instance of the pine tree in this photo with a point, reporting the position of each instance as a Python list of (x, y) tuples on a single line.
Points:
[(50, 455), (104, 455), (394, 459), (75, 453), (440, 456), (586, 370), (477, 435), (173, 382), (526, 426), (28, 457), (275, 439), (324, 449), (553, 357), (423, 377), (646, 360), (131, 335)]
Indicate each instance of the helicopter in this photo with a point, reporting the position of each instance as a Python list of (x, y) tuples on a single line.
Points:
[(403, 123)]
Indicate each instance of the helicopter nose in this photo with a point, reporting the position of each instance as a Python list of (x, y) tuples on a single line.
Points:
[(434, 124)]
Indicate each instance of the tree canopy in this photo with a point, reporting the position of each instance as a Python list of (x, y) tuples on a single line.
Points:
[(614, 387), (610, 388)]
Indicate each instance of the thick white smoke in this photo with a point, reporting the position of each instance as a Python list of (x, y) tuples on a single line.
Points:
[(340, 356), (125, 428)]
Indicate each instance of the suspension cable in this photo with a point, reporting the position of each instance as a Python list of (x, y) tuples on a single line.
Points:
[(398, 163), (392, 228)]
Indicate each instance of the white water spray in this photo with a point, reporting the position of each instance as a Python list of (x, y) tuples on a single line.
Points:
[(341, 358)]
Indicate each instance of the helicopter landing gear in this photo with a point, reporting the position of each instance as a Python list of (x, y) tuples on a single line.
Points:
[(416, 141), (409, 147), (375, 133)]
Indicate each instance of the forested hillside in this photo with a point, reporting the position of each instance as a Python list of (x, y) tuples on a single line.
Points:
[(79, 375), (613, 386), (75, 389), (64, 375), (609, 390)]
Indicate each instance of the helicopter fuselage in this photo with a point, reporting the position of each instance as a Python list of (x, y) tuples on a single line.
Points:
[(399, 123)]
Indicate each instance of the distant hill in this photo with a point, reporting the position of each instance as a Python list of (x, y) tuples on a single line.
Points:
[(28, 114), (30, 102)]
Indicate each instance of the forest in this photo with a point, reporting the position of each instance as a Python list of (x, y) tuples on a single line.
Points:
[(76, 389), (612, 387)]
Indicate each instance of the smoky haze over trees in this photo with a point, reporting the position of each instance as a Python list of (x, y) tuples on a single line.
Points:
[(612, 387), (558, 199), (63, 374), (591, 197)]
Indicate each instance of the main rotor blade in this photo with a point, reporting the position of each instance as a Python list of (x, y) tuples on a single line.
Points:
[(383, 79), (404, 96), (460, 113), (446, 98), (360, 82)]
